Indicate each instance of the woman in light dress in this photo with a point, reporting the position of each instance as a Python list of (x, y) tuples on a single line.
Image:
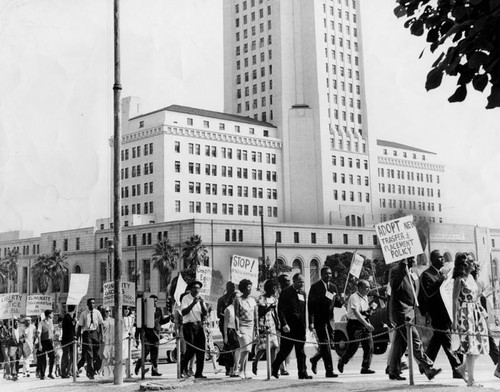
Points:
[(245, 311), (469, 319), (108, 351)]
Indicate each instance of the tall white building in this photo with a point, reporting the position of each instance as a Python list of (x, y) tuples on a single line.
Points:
[(298, 65), (180, 162), (408, 179)]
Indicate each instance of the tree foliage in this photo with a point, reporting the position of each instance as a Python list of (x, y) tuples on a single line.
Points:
[(194, 252), (10, 266), (340, 264), (50, 268), (165, 258), (468, 33)]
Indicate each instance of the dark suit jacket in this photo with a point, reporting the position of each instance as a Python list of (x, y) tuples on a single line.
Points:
[(429, 298), (68, 328), (292, 311), (152, 335), (402, 298), (319, 306)]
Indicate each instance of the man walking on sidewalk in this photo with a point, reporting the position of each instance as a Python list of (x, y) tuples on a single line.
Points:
[(292, 315), (359, 328), (323, 297)]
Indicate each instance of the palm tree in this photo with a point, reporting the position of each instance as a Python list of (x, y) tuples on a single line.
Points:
[(194, 252), (165, 258), (57, 270), (11, 264), (41, 273)]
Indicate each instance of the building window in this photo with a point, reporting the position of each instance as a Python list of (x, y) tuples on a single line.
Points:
[(278, 236), (329, 238), (77, 245), (346, 239), (360, 239), (375, 240), (313, 238), (296, 237)]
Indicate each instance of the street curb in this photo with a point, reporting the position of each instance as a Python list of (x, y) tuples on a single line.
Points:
[(167, 386)]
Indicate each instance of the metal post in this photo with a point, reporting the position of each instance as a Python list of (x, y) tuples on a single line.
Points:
[(178, 348), (75, 359), (117, 229), (129, 356), (268, 354), (143, 349), (409, 341)]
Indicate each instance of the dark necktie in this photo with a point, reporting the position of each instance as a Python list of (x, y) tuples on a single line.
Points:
[(91, 317)]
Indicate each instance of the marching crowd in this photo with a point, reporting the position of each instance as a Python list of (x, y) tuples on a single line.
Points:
[(277, 317)]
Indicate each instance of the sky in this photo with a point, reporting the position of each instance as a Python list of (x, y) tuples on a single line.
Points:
[(56, 102)]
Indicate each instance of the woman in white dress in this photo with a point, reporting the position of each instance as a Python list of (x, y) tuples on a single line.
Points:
[(108, 351)]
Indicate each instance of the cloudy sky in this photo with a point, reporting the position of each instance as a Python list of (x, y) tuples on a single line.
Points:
[(56, 102)]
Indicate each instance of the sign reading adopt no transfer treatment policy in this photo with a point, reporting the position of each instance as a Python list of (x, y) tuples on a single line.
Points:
[(399, 239)]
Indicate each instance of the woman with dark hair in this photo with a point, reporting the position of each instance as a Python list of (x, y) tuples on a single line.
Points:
[(268, 321), (245, 312), (468, 317)]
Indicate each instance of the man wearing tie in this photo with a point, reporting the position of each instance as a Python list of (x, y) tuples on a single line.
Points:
[(90, 322), (402, 309), (430, 301), (323, 298), (292, 315)]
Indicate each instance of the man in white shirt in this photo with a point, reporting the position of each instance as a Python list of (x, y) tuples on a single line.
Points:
[(90, 322), (359, 327), (46, 347), (193, 309)]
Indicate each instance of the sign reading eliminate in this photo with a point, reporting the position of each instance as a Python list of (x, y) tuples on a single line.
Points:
[(38, 303), (399, 239), (128, 291)]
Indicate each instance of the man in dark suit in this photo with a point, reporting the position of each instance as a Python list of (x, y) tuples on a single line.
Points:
[(292, 315), (323, 297), (402, 309), (430, 301), (68, 335)]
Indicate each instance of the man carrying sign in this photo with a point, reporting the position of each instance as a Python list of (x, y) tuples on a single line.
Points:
[(403, 302)]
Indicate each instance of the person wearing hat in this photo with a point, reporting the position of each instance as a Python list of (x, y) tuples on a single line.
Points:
[(193, 309), (152, 339)]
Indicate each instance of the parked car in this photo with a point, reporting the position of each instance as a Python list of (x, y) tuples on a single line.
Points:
[(168, 347)]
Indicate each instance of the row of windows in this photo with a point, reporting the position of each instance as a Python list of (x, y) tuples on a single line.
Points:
[(227, 153), (253, 47), (254, 62), (344, 115), (404, 154), (350, 162), (340, 41), (253, 30), (252, 4), (136, 151), (400, 174), (383, 218), (195, 207), (347, 146), (343, 196), (343, 101), (227, 171), (404, 189), (350, 178), (341, 56), (136, 189), (412, 205), (340, 26), (227, 190), (342, 86), (342, 72), (136, 171), (136, 209), (336, 127), (146, 238), (340, 11), (329, 238), (25, 250)]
